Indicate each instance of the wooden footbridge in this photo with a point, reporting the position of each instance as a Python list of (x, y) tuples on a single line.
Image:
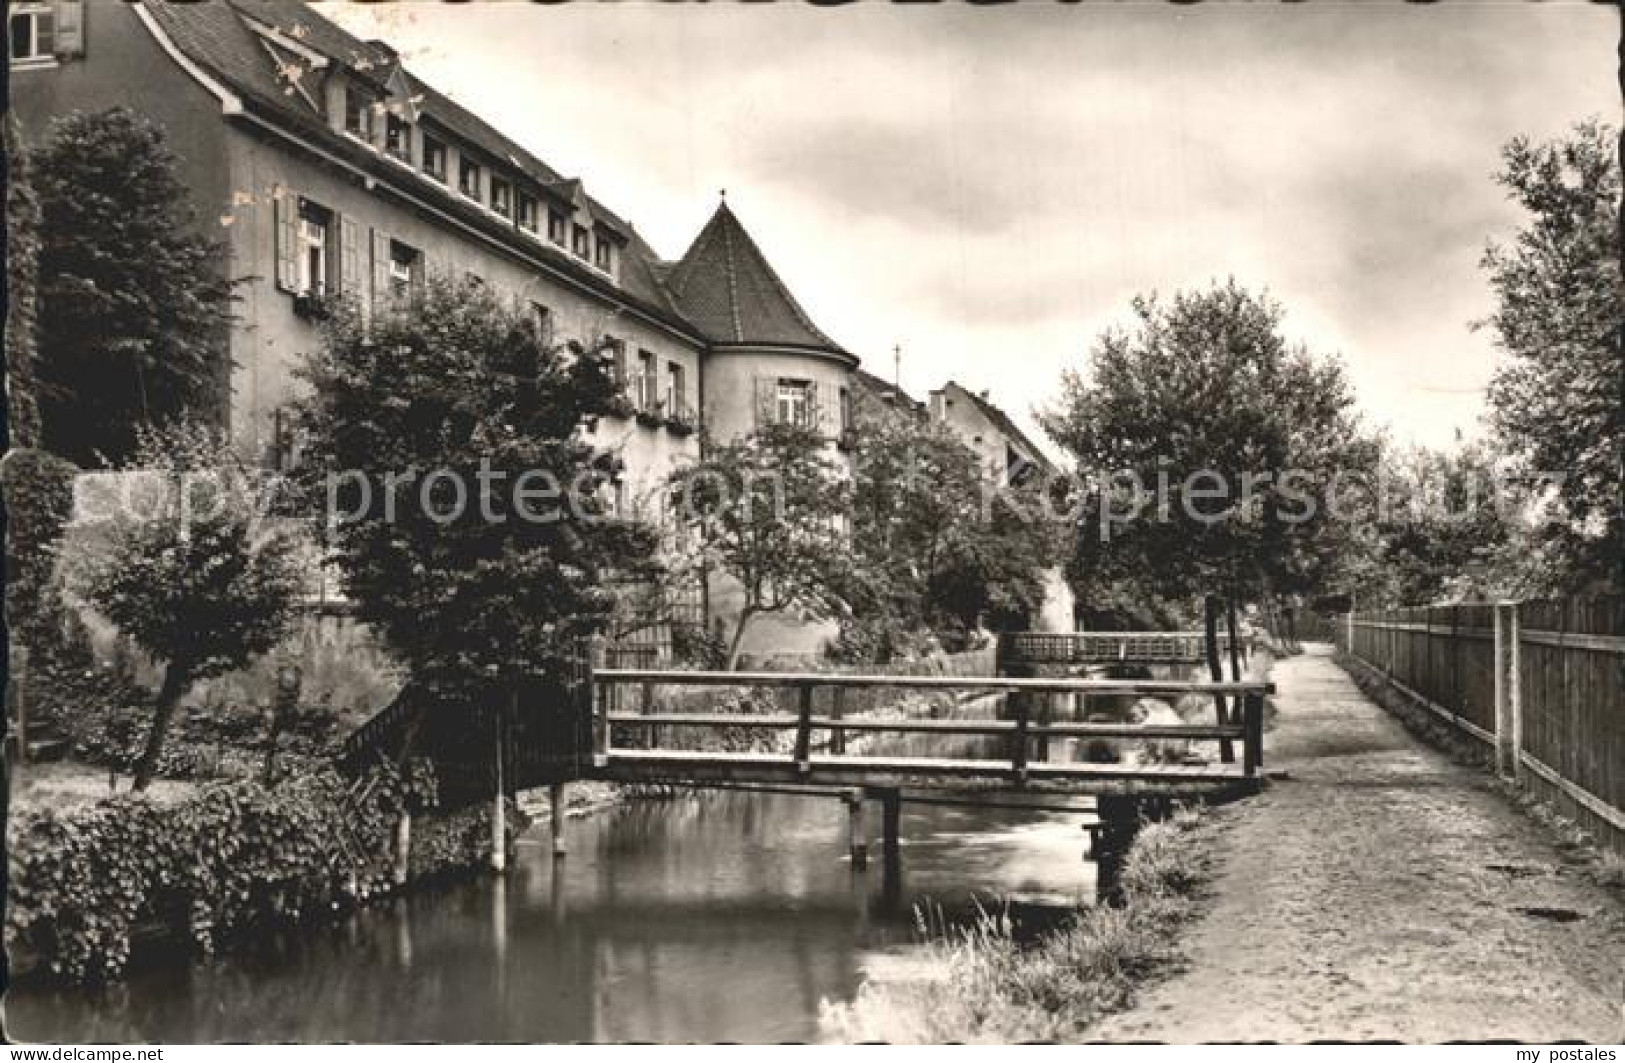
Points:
[(817, 747), (837, 734)]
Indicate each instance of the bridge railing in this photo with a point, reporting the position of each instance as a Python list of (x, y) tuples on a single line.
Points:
[(1026, 734), (1104, 647)]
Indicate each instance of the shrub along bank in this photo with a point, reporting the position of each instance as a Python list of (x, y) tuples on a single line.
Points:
[(207, 872)]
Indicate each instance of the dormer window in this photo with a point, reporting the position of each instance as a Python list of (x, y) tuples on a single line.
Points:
[(398, 137), (602, 253), (529, 212), (502, 197), (434, 158), (555, 227), (357, 113), (468, 177), (33, 33), (580, 241)]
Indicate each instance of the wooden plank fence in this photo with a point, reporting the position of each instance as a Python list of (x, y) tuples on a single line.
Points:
[(1540, 683)]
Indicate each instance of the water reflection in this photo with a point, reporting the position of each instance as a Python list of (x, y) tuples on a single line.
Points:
[(727, 917)]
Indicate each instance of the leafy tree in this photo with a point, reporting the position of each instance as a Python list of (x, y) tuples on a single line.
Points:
[(190, 568), (1199, 437), (1557, 402), (1458, 524), (133, 301), (767, 510), (1438, 526), (939, 546), (464, 500)]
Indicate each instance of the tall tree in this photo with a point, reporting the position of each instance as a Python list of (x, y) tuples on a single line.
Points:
[(464, 500), (766, 511), (133, 301), (1558, 401), (1205, 445)]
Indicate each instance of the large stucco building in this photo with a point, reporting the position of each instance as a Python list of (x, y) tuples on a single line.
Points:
[(327, 167)]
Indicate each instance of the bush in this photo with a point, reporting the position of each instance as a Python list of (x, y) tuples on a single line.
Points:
[(237, 858), (39, 503)]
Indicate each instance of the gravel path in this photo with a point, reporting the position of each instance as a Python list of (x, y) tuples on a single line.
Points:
[(1376, 894)]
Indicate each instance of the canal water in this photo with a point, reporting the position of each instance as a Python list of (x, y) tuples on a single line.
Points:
[(726, 916)]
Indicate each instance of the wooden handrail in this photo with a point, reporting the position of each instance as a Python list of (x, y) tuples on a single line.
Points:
[(992, 684), (1019, 733), (784, 722)]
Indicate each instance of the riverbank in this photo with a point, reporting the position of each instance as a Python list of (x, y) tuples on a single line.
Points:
[(1380, 890), (982, 985), (93, 886), (723, 917)]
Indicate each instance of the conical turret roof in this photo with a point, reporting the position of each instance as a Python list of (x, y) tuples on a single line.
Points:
[(727, 288)]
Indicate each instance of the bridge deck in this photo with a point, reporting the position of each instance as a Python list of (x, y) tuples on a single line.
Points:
[(669, 765)]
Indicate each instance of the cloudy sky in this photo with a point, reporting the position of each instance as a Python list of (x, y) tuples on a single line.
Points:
[(989, 187)]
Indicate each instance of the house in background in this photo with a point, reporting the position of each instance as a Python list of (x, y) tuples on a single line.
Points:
[(328, 168), (1009, 456), (1007, 453)]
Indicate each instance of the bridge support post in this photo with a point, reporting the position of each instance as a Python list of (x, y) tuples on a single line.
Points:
[(556, 811), (1120, 818), (499, 810), (403, 848), (891, 815), (499, 835), (857, 842)]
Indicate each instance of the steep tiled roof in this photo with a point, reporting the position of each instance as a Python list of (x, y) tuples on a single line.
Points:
[(725, 285), (371, 59), (214, 35), (886, 390), (472, 129), (1004, 424)]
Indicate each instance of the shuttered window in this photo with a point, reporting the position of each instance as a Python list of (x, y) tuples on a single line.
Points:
[(351, 256), (786, 400), (382, 293), (70, 28), (285, 204)]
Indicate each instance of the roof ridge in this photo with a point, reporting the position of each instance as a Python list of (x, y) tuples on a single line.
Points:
[(730, 272), (1003, 421)]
